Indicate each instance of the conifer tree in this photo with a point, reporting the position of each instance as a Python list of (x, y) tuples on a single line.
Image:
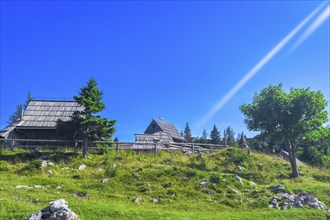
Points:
[(187, 133), (215, 135)]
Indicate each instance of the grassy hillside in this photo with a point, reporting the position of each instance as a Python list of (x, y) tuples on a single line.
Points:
[(186, 187)]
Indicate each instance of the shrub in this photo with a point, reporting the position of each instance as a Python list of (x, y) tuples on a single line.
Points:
[(31, 169), (4, 166), (215, 178), (110, 172)]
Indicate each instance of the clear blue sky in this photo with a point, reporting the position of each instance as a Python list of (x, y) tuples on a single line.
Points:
[(166, 59)]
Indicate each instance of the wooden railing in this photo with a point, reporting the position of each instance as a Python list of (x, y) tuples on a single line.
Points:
[(40, 144)]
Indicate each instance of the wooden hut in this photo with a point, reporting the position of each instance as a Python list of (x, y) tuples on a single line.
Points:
[(38, 121), (158, 132)]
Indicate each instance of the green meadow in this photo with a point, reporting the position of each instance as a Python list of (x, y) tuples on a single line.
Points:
[(171, 185)]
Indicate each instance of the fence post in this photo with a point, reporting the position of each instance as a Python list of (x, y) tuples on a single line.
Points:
[(117, 148), (13, 144), (75, 146), (193, 149), (156, 148)]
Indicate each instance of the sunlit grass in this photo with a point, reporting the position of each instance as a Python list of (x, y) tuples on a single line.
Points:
[(170, 177)]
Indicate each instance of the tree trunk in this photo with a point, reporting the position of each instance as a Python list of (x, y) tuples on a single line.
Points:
[(85, 148), (292, 157)]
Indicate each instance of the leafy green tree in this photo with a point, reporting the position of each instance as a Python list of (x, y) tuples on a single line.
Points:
[(228, 136), (215, 135), (16, 116), (187, 134), (292, 117), (86, 124)]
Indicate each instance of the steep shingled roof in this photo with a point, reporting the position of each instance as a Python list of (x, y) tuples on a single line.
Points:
[(45, 113), (164, 126)]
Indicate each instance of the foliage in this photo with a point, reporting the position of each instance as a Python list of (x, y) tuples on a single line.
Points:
[(291, 116), (187, 133), (16, 116), (86, 124), (228, 136), (167, 177), (215, 135)]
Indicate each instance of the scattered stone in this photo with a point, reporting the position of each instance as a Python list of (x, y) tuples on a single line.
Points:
[(23, 186), (57, 210), (105, 180), (74, 170), (302, 199), (43, 164), (246, 190), (186, 179), (239, 179), (49, 172), (35, 200), (241, 168), (309, 178), (38, 187), (154, 200), (233, 190), (204, 182), (82, 167), (58, 187), (139, 169), (137, 200), (254, 192), (260, 166), (50, 164), (65, 168), (80, 194), (114, 165), (135, 174), (252, 183), (277, 189)]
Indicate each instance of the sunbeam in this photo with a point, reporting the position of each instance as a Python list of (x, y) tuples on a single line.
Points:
[(222, 102), (311, 29)]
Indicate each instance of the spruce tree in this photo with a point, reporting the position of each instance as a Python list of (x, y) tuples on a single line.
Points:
[(86, 124), (187, 133), (16, 116), (215, 135)]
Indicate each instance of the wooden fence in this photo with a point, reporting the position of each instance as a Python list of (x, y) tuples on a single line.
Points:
[(42, 144)]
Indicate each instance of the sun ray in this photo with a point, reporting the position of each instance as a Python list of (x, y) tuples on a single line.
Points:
[(222, 102)]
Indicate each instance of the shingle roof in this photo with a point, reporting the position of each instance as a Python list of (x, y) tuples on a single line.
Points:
[(168, 128), (44, 114)]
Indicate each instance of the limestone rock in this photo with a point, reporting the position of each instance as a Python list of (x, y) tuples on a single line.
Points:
[(82, 167), (233, 190), (137, 200), (154, 200), (241, 168), (57, 210), (239, 179), (277, 189), (105, 180), (43, 164)]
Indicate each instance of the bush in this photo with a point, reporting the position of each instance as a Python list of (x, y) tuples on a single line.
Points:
[(4, 166), (216, 178), (31, 169), (110, 172)]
